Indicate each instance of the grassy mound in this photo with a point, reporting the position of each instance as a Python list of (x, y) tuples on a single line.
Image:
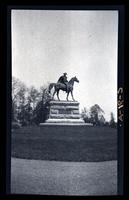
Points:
[(91, 144)]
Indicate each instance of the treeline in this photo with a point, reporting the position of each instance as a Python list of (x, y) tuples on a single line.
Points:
[(30, 106), (95, 115)]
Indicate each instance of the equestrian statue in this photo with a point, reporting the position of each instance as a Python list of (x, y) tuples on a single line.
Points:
[(63, 84)]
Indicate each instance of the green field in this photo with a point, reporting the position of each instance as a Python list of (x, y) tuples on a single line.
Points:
[(91, 144)]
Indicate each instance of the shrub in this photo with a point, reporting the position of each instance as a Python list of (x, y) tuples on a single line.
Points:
[(16, 125)]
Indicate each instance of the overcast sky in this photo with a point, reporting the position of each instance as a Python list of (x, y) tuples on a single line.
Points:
[(45, 44)]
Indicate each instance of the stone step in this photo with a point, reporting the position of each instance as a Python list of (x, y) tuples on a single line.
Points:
[(69, 121), (64, 116)]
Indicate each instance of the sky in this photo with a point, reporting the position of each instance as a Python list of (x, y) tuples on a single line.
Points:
[(47, 43)]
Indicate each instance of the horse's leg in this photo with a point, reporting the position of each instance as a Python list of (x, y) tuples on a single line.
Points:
[(54, 93), (67, 96), (58, 95), (72, 95)]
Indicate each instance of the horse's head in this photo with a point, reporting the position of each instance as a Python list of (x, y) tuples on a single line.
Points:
[(75, 79)]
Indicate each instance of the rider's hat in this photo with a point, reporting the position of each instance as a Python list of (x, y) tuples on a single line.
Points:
[(65, 73)]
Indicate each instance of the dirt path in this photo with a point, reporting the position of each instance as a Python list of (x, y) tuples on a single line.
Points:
[(63, 178)]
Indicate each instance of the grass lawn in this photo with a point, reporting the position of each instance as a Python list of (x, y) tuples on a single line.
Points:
[(90, 144)]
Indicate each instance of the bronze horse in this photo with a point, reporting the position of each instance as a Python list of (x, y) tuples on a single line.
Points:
[(61, 86)]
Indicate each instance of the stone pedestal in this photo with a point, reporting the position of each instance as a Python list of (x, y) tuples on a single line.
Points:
[(64, 112), (64, 119)]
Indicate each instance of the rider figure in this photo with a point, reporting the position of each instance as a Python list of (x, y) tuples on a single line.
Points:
[(63, 79)]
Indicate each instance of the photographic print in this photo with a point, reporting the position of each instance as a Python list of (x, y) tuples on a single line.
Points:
[(64, 135)]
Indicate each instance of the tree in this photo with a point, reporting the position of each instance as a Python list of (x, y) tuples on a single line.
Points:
[(22, 104), (28, 114), (112, 121), (16, 83), (33, 96), (102, 120), (46, 98), (18, 98), (95, 113), (15, 88), (29, 105), (42, 107), (84, 115)]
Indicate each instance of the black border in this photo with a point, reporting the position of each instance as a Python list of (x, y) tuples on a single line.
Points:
[(6, 54), (120, 83)]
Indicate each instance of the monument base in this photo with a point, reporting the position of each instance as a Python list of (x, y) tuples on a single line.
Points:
[(64, 113)]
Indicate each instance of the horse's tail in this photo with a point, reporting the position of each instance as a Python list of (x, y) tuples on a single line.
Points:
[(50, 87)]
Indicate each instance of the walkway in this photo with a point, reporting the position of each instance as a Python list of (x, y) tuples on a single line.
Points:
[(63, 178)]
